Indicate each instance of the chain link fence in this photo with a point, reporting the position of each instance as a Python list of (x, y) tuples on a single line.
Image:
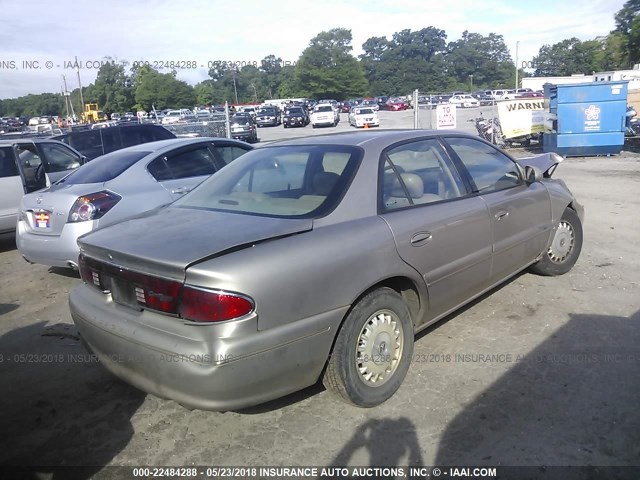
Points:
[(214, 126), (466, 119)]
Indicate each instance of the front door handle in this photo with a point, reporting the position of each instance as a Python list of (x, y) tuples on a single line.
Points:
[(501, 215), (181, 190), (420, 238)]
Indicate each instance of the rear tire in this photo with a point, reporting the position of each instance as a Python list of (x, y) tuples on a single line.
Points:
[(373, 350), (565, 248)]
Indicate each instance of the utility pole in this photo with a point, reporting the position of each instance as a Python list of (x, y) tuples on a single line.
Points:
[(67, 97), (517, 45), (80, 85), (235, 89), (64, 94), (470, 83), (416, 109)]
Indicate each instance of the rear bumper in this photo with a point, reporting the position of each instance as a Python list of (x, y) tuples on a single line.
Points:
[(242, 135), (52, 250), (226, 366)]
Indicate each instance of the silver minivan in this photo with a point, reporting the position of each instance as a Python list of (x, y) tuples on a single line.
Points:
[(28, 165)]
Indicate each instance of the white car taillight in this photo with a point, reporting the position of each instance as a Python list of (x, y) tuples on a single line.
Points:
[(92, 206)]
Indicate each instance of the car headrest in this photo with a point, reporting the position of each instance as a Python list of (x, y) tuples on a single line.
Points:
[(323, 182), (414, 185)]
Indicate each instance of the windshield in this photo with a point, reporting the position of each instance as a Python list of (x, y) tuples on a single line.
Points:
[(286, 181), (324, 108), (104, 168), (364, 111), (294, 111)]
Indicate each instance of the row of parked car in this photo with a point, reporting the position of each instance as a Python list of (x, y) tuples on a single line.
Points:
[(478, 98), (211, 252)]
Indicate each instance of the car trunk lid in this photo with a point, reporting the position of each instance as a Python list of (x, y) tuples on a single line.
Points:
[(166, 241)]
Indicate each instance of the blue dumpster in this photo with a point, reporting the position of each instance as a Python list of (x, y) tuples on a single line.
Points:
[(588, 118)]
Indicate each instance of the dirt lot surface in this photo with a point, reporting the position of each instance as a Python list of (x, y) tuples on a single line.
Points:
[(541, 371)]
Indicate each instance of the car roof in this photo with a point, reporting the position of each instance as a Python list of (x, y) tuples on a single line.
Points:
[(171, 143), (11, 141), (358, 139)]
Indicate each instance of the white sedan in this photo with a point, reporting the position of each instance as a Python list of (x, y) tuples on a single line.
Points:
[(363, 116), (464, 101)]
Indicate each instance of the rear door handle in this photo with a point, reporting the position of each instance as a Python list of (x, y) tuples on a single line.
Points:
[(501, 215), (181, 190), (420, 239)]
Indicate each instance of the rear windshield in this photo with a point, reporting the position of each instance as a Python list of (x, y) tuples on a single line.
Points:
[(104, 168), (287, 182), (240, 120)]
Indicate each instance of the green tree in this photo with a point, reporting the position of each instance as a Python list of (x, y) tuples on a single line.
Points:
[(327, 69), (410, 60), (161, 90), (112, 89), (486, 58)]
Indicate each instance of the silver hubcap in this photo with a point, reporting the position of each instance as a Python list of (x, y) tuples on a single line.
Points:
[(380, 346), (563, 242)]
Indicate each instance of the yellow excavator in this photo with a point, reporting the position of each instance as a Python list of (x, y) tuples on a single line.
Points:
[(92, 113)]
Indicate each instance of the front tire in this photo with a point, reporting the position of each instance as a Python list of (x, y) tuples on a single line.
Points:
[(373, 350), (565, 248)]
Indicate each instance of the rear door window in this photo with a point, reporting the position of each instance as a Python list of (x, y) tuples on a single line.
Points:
[(194, 162)]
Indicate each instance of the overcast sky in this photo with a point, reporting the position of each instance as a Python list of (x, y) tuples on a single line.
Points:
[(248, 30)]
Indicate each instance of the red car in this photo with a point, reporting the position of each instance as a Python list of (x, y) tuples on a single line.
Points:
[(531, 95), (395, 104)]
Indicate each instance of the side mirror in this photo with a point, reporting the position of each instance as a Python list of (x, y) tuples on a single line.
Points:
[(532, 174)]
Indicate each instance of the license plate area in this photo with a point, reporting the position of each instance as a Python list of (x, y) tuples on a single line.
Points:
[(42, 219), (126, 293)]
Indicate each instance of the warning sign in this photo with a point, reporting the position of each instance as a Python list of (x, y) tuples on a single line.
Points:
[(521, 117)]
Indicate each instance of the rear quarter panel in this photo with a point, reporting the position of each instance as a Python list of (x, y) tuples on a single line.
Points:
[(302, 275)]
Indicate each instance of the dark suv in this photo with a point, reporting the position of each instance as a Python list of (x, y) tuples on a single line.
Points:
[(243, 127), (268, 116), (295, 117), (93, 143)]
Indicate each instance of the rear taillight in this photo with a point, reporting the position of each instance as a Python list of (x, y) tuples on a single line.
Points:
[(90, 273), (92, 206), (201, 305), (156, 293), (162, 295)]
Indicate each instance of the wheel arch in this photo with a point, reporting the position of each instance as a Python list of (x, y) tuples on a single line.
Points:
[(404, 286)]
